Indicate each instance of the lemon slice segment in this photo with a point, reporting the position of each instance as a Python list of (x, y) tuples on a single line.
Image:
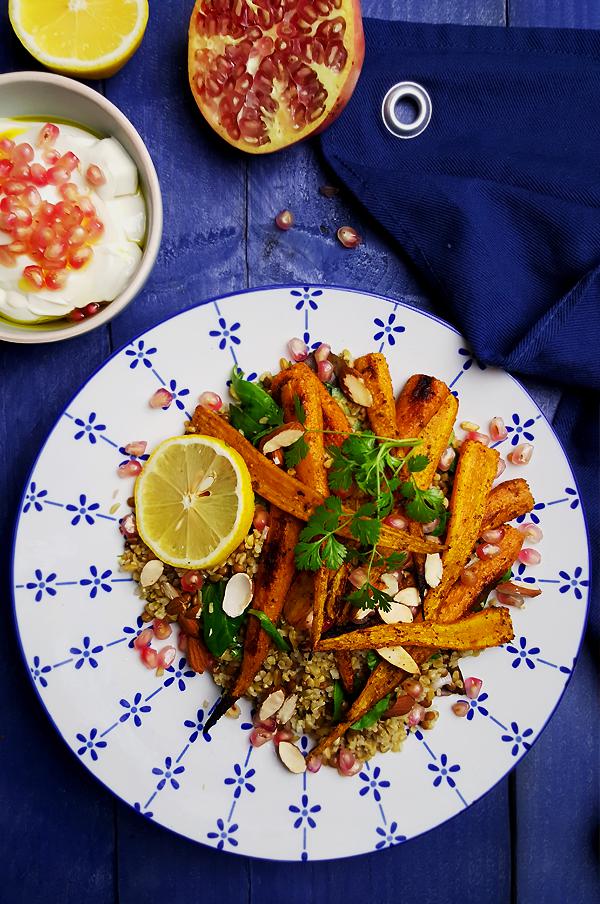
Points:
[(93, 38), (194, 501)]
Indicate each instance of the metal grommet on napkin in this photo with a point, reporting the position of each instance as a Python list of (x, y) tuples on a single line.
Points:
[(418, 97)]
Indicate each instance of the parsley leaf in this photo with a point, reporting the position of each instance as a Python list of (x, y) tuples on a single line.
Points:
[(317, 544), (369, 597), (340, 473), (373, 715), (366, 529), (372, 659), (417, 463), (299, 409), (338, 700), (395, 561), (296, 452), (423, 505)]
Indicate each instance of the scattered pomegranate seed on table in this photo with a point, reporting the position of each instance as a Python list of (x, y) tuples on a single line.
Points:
[(129, 469), (501, 467), (521, 455), (284, 220), (348, 237), (530, 557), (532, 532), (143, 639), (136, 448), (497, 429), (298, 349), (461, 708), (162, 398), (211, 400), (473, 687), (328, 191)]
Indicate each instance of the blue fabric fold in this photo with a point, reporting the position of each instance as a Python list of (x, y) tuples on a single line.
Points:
[(497, 202)]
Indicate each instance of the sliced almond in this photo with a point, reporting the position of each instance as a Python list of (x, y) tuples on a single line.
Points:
[(288, 709), (409, 596), (271, 705), (281, 437), (151, 572), (397, 612), (362, 613), (238, 594), (291, 757), (354, 387), (390, 582), (433, 569), (170, 591), (400, 658)]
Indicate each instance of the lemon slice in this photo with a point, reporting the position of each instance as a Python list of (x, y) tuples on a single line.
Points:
[(92, 38), (194, 501)]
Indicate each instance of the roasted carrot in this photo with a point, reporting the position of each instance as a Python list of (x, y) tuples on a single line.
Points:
[(299, 599), (271, 583), (286, 492), (418, 402), (343, 660), (334, 419), (506, 501), (435, 437), (376, 374), (475, 473), (488, 628)]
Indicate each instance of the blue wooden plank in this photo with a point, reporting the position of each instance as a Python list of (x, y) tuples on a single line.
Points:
[(553, 14)]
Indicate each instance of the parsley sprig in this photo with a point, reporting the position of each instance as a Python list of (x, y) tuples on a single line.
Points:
[(369, 463)]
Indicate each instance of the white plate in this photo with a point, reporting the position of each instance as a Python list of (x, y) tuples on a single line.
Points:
[(139, 735)]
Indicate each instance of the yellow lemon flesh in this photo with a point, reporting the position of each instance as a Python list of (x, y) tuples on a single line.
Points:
[(194, 501), (91, 38)]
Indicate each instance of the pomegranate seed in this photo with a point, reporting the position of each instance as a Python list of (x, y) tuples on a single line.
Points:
[(530, 557), (42, 237), (35, 276), (76, 236), (38, 174), (398, 522), (487, 551), (143, 639), (493, 536), (325, 371), (94, 175), (24, 152), (162, 398), (5, 168), (261, 519), (348, 237), (22, 172), (79, 257), (211, 400), (50, 156), (531, 531), (501, 467), (468, 577), (86, 207), (95, 229), (167, 654), (521, 455), (6, 146), (127, 527), (283, 734), (412, 687), (6, 258), (322, 352), (92, 308), (191, 581), (129, 469), (182, 642), (76, 315), (55, 251), (313, 764), (347, 763), (473, 687), (478, 437), (497, 429), (8, 221), (461, 708), (431, 526), (446, 459), (258, 737), (149, 657), (137, 448), (14, 188), (510, 599), (31, 198), (284, 220), (17, 248), (358, 577), (58, 174), (69, 160), (416, 715), (55, 280), (298, 349), (48, 134), (23, 215)]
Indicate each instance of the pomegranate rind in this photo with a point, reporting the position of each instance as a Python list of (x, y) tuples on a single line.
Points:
[(279, 124)]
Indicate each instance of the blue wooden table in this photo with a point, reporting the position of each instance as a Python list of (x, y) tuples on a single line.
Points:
[(64, 839)]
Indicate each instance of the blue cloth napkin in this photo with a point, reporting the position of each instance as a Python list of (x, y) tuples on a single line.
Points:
[(497, 202)]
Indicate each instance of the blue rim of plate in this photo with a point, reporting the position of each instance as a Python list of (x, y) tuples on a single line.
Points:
[(201, 304)]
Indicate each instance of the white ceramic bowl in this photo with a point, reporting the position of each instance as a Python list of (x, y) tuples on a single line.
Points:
[(47, 96)]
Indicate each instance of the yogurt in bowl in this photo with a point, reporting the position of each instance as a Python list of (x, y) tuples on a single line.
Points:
[(72, 221)]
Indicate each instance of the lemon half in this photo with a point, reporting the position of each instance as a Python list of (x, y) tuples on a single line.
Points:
[(91, 38), (194, 501)]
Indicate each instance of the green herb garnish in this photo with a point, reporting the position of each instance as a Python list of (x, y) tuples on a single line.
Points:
[(373, 715), (257, 413), (294, 454), (266, 623), (299, 409), (317, 544), (338, 700), (221, 632), (372, 659)]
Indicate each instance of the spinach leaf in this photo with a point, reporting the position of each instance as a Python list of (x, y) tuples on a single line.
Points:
[(220, 631), (338, 699), (373, 715), (255, 402), (266, 623)]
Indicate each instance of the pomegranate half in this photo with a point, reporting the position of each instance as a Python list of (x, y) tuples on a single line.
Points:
[(268, 73)]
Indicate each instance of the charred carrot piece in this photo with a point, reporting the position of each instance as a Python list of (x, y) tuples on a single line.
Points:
[(418, 402), (506, 501), (382, 413), (334, 419), (343, 660)]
